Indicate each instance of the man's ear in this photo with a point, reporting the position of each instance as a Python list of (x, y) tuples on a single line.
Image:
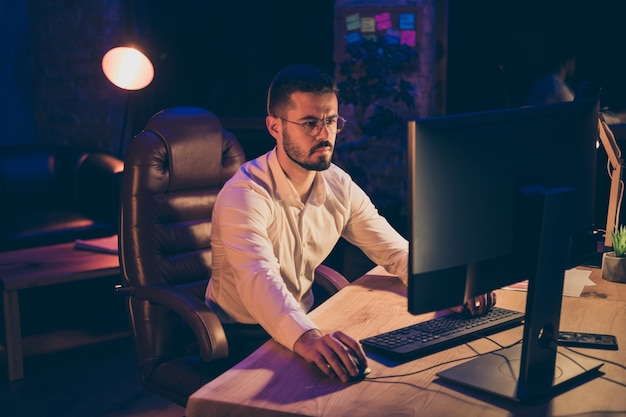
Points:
[(273, 126)]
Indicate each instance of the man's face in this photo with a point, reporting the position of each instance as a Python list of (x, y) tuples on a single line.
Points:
[(313, 153)]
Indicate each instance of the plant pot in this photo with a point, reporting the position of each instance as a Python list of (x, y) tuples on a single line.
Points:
[(613, 267)]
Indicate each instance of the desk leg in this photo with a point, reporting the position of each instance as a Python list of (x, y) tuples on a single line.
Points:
[(13, 335)]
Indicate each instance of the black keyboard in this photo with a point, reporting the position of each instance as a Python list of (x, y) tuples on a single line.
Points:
[(440, 333)]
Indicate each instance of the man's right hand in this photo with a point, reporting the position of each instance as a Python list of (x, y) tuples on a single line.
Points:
[(478, 305), (332, 353)]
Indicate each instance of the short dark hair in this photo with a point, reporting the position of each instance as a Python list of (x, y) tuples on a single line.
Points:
[(297, 78), (561, 51)]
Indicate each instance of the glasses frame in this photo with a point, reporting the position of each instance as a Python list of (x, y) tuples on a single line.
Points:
[(319, 125)]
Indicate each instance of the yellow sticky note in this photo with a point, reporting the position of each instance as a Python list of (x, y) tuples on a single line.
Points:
[(368, 24)]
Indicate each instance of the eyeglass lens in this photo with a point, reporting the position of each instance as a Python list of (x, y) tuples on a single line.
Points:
[(333, 125)]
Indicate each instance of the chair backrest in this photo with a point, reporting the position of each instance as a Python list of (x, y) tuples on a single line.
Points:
[(173, 171)]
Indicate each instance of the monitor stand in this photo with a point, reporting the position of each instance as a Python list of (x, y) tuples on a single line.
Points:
[(498, 373), (531, 370), (594, 260)]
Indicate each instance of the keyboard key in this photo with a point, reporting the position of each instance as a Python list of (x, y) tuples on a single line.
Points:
[(441, 333)]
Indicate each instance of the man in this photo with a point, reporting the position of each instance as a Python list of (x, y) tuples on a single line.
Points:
[(553, 87), (281, 215)]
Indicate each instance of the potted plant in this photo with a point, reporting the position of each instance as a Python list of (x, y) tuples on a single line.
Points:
[(376, 80), (614, 262), (377, 92)]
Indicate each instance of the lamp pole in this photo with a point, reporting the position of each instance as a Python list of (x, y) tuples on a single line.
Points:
[(130, 70)]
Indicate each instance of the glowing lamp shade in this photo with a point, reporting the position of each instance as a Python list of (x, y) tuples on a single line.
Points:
[(127, 68)]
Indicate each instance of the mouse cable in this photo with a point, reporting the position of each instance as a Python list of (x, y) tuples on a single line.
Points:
[(501, 347)]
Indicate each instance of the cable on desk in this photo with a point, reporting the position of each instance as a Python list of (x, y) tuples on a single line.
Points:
[(619, 365), (554, 344), (501, 347)]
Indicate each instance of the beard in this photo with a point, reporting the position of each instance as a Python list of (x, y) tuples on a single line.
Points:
[(304, 159)]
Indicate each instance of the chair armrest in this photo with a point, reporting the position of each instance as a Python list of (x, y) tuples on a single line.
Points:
[(204, 323), (329, 279)]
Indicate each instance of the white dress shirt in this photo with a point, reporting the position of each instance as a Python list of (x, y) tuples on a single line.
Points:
[(266, 244)]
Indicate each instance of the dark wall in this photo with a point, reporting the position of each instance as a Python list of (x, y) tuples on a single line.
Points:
[(498, 48), (222, 55), (16, 107), (53, 88), (218, 55)]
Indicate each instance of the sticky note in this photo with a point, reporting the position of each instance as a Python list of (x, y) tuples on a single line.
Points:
[(353, 37), (368, 24), (407, 21), (353, 22), (383, 21), (393, 36), (407, 37)]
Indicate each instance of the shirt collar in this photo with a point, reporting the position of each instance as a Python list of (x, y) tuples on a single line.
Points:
[(284, 188)]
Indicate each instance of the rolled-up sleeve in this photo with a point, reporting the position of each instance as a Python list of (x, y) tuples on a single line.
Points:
[(374, 235)]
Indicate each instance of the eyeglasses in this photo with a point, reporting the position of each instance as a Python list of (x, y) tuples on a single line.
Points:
[(314, 127)]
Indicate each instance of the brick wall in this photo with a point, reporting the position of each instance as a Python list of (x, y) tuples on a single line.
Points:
[(378, 164), (73, 102)]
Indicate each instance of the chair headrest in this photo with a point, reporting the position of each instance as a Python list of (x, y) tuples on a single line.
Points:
[(194, 140)]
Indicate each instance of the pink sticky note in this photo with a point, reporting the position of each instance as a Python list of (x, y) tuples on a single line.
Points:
[(407, 37)]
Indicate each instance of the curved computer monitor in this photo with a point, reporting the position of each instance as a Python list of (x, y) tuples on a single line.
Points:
[(496, 198)]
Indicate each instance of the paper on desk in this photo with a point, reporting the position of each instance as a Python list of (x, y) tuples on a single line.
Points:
[(102, 245), (573, 285)]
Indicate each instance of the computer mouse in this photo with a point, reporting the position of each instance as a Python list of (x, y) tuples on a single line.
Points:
[(363, 370)]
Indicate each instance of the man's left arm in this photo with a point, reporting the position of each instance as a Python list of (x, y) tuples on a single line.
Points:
[(373, 234)]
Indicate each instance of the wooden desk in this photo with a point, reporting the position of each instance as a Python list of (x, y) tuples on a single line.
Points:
[(275, 382), (39, 267)]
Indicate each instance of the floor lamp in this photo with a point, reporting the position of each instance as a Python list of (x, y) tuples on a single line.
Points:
[(130, 70)]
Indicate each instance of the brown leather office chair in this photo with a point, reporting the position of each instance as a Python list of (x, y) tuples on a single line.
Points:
[(173, 171)]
